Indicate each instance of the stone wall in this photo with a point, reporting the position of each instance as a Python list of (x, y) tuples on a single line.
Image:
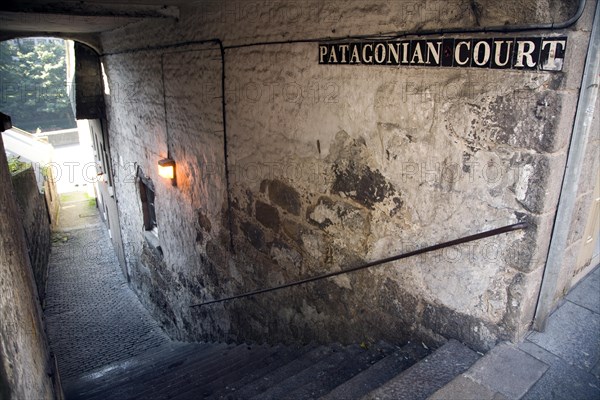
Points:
[(332, 166), (35, 218), (579, 262), (192, 234), (25, 368)]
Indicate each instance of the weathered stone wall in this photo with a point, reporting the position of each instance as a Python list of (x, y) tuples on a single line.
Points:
[(36, 224), (577, 264), (192, 235), (330, 166), (24, 358)]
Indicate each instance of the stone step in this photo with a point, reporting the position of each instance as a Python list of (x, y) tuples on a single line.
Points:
[(506, 372), (198, 382), (379, 373), (261, 372), (325, 367), (123, 371), (248, 372), (280, 374), (254, 371), (195, 372), (134, 380), (428, 375), (328, 378)]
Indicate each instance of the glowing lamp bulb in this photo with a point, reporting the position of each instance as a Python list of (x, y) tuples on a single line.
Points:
[(166, 168)]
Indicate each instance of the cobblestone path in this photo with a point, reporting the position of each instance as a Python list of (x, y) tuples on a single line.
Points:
[(92, 316)]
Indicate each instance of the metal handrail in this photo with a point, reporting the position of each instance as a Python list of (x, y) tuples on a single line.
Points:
[(466, 239)]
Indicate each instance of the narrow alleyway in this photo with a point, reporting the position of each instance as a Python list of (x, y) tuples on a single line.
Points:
[(108, 346), (92, 316)]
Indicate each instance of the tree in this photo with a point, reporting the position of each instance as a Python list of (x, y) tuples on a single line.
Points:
[(33, 84)]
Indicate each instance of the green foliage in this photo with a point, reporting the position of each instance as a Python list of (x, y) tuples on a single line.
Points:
[(33, 85), (46, 170), (15, 165)]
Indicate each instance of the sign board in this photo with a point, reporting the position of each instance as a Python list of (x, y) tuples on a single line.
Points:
[(530, 53)]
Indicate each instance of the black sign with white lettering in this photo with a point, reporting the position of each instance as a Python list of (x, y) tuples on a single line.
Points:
[(531, 53)]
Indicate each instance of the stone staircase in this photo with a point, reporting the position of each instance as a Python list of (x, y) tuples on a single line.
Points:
[(220, 371)]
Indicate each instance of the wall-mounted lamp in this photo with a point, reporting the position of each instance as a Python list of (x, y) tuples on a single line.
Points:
[(166, 169)]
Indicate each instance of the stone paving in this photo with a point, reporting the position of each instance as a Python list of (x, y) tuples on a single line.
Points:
[(563, 362), (92, 316), (570, 346)]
